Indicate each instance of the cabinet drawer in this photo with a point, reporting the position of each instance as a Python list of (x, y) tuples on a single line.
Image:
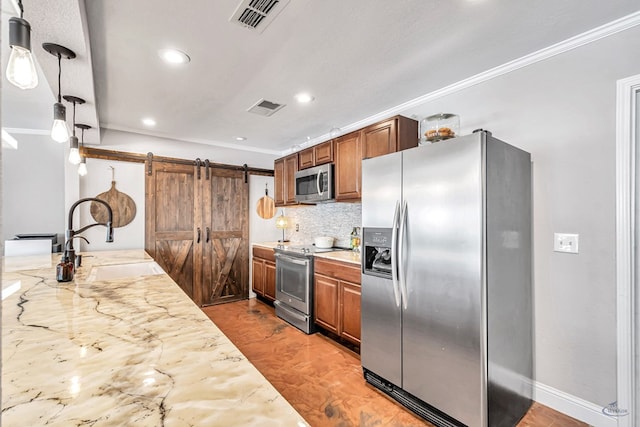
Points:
[(264, 253), (337, 269)]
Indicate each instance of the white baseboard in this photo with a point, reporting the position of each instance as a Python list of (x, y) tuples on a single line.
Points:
[(573, 406)]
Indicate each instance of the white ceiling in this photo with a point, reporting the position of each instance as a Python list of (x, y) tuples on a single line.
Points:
[(356, 57)]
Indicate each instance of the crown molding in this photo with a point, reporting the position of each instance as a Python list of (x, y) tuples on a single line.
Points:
[(582, 39)]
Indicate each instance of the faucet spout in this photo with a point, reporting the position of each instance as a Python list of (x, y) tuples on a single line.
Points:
[(71, 233)]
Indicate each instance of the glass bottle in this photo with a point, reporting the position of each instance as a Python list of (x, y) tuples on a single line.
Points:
[(64, 270)]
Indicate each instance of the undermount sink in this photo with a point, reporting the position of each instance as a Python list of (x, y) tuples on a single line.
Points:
[(120, 271)]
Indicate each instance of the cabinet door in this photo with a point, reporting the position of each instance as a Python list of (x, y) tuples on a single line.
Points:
[(270, 280), (379, 139), (290, 168), (350, 311), (224, 237), (348, 166), (323, 153), (258, 276), (169, 221), (306, 159), (279, 182), (326, 302)]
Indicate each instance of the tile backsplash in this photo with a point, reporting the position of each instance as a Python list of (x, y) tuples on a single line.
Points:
[(328, 219)]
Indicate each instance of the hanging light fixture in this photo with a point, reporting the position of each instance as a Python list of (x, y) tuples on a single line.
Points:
[(59, 131), (74, 152), (21, 69), (82, 167)]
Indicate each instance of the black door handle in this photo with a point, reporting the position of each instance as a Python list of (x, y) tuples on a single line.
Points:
[(208, 232), (198, 240)]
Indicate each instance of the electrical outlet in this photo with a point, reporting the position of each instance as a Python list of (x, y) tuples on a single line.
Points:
[(297, 227), (563, 242)]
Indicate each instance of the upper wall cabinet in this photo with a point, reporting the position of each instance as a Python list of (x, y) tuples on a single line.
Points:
[(316, 155), (388, 136), (395, 134), (348, 167), (285, 170)]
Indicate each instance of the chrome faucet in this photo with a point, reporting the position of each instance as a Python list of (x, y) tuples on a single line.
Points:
[(70, 234)]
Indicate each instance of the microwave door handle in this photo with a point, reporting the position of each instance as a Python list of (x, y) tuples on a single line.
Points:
[(318, 178)]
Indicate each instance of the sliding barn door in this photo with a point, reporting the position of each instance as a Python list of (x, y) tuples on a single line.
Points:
[(225, 245), (169, 223)]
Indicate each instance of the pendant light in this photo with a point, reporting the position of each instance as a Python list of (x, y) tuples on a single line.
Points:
[(82, 167), (21, 69), (74, 152), (59, 131)]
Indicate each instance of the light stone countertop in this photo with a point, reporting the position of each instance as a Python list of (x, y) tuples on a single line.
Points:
[(131, 351), (345, 256)]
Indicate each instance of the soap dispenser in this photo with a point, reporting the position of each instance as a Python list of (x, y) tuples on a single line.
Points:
[(64, 270)]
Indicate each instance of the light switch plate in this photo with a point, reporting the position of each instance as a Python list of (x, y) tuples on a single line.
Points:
[(563, 242)]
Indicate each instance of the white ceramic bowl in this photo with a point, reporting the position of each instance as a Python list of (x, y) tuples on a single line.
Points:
[(323, 242)]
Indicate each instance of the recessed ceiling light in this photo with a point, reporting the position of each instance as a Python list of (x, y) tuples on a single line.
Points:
[(148, 122), (304, 98), (173, 56), (240, 138)]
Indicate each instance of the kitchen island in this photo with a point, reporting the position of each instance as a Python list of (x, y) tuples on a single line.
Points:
[(125, 351)]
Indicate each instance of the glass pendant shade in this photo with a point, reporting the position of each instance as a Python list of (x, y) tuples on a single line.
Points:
[(74, 152), (21, 69), (59, 131), (82, 169)]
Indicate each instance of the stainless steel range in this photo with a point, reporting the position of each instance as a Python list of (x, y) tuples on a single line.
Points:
[(294, 285)]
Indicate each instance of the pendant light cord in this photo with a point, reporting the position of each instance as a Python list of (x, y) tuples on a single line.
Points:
[(74, 118), (21, 8), (59, 74)]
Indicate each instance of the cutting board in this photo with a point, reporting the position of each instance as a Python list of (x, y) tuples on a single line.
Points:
[(123, 207), (266, 207)]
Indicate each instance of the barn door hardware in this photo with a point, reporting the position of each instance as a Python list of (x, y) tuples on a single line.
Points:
[(206, 169), (149, 163), (198, 162)]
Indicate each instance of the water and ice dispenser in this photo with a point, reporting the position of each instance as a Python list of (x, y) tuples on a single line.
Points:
[(376, 252)]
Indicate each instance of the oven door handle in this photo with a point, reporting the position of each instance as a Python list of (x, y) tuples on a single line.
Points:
[(292, 260)]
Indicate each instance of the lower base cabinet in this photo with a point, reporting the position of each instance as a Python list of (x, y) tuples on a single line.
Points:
[(337, 298), (264, 273)]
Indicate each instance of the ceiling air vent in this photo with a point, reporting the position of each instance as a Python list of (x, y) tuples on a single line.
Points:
[(257, 14), (265, 108)]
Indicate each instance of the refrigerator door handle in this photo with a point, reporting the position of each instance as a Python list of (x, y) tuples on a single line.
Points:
[(394, 253), (401, 257)]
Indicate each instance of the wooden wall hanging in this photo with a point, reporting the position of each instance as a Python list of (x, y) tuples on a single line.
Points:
[(123, 206)]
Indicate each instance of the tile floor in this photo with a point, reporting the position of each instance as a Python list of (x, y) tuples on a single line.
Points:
[(321, 378)]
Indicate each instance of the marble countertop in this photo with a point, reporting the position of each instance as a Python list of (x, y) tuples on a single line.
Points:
[(345, 256), (130, 351)]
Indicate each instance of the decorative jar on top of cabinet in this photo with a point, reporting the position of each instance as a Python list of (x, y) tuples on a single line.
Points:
[(438, 127)]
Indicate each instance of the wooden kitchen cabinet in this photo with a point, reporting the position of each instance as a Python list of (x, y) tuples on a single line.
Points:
[(326, 302), (337, 298), (317, 155), (279, 182), (264, 273), (389, 136), (348, 150), (196, 229), (284, 177)]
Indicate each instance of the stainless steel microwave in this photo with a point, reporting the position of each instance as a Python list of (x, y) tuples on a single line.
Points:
[(315, 185)]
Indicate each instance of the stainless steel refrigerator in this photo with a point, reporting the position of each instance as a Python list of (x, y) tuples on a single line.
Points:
[(446, 280)]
